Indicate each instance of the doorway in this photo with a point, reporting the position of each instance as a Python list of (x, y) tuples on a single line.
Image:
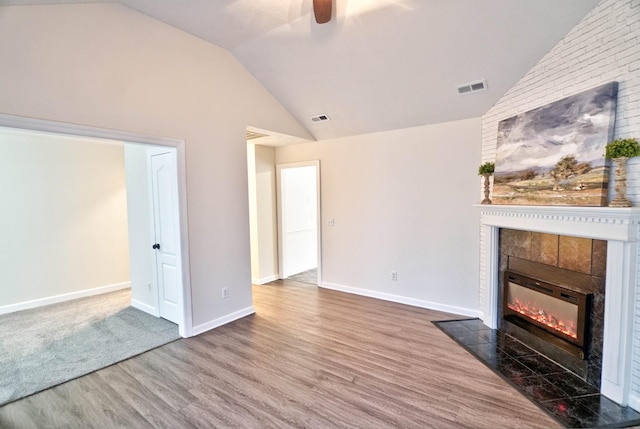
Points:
[(182, 296), (299, 232)]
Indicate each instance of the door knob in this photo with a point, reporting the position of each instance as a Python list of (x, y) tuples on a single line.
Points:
[(156, 246)]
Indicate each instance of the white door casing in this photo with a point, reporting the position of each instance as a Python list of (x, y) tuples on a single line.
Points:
[(166, 233)]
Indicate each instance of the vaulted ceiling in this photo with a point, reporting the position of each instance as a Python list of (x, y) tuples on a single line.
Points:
[(378, 64)]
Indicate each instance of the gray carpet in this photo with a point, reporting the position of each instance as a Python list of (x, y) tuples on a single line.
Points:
[(43, 347), (310, 276)]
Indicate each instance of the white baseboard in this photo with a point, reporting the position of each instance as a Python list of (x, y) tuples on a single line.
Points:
[(196, 330), (25, 305), (145, 307), (264, 280), (634, 401), (403, 300)]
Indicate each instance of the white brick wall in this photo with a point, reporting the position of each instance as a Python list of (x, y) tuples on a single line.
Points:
[(603, 47)]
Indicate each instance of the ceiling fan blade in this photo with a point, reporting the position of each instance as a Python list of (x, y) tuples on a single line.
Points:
[(322, 10)]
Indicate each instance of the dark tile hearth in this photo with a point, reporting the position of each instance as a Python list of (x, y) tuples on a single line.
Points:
[(568, 398)]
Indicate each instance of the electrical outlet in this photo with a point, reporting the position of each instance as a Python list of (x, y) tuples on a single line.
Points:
[(394, 275), (149, 286), (331, 222), (225, 292)]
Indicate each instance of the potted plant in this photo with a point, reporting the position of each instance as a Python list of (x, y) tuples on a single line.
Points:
[(486, 170), (620, 150)]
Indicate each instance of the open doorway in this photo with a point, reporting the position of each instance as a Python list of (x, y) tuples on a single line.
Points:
[(298, 196), (263, 205), (102, 137)]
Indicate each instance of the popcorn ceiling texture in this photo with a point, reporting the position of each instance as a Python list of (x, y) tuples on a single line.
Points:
[(603, 47)]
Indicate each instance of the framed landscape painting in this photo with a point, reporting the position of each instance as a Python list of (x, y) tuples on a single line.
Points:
[(554, 155)]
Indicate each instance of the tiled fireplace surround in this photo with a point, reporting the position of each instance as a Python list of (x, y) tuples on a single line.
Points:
[(578, 264), (620, 228)]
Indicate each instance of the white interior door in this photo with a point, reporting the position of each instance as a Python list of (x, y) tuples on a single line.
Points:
[(299, 220), (166, 246)]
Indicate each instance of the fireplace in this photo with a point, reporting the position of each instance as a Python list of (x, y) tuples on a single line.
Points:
[(620, 228), (554, 313)]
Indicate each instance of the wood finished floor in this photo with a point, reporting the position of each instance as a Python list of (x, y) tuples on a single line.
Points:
[(309, 357)]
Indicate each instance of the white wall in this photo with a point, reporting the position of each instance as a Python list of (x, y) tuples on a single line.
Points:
[(264, 233), (401, 201), (139, 231), (107, 66), (63, 217), (253, 214), (602, 48)]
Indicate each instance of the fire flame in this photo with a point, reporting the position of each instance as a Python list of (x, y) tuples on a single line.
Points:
[(540, 316)]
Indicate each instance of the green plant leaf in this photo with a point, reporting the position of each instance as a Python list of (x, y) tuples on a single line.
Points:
[(618, 148), (486, 168)]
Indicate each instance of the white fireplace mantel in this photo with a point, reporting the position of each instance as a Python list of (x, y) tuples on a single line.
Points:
[(620, 227), (603, 223)]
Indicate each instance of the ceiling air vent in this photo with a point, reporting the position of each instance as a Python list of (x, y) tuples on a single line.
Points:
[(320, 118), (251, 135), (468, 88)]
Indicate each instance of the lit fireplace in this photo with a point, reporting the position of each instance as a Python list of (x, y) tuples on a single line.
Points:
[(564, 325), (615, 318), (543, 309)]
